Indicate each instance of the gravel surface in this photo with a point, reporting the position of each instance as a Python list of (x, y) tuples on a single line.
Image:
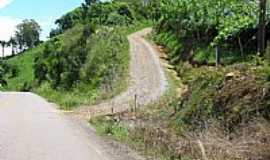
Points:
[(147, 80)]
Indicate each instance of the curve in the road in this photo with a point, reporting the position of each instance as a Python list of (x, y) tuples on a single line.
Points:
[(147, 80), (32, 129)]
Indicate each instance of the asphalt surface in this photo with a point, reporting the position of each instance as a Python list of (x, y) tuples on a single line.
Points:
[(32, 129)]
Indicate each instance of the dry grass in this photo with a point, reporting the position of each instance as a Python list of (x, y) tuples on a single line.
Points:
[(249, 142)]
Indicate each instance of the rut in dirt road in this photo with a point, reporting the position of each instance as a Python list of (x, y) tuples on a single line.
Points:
[(147, 80)]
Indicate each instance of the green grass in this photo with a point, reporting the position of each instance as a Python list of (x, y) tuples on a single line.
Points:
[(111, 128), (24, 63), (81, 94)]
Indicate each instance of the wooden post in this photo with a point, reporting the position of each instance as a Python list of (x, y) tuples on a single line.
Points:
[(135, 103), (217, 55), (268, 52), (112, 110), (262, 22)]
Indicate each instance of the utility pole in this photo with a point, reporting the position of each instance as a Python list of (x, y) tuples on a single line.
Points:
[(262, 27)]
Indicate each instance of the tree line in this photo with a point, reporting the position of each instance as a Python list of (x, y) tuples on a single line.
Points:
[(27, 35)]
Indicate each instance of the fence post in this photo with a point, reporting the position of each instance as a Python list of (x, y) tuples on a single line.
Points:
[(135, 105), (217, 55)]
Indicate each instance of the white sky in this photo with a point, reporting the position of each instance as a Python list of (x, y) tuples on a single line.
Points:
[(7, 25), (3, 3)]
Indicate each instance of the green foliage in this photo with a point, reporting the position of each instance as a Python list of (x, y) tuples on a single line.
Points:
[(22, 71), (109, 65), (27, 34), (143, 9), (6, 70), (115, 19), (92, 59), (195, 108), (228, 95), (82, 94), (86, 59), (202, 25), (101, 13), (111, 128), (63, 57), (101, 75)]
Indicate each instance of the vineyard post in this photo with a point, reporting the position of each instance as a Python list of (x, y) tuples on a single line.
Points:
[(262, 28)]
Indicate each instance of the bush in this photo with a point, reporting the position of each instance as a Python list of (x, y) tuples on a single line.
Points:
[(115, 19), (62, 58), (7, 71), (26, 87)]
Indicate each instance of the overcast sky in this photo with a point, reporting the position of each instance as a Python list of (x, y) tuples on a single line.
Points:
[(44, 12)]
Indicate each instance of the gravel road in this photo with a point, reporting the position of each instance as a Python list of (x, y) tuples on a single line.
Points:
[(147, 80), (33, 129)]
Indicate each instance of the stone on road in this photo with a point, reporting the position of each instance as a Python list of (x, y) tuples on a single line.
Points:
[(32, 129)]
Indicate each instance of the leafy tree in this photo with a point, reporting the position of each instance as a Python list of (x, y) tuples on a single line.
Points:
[(62, 58), (55, 32), (70, 19), (27, 34), (90, 2)]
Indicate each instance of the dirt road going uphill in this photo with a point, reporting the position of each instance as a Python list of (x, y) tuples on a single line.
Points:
[(147, 80)]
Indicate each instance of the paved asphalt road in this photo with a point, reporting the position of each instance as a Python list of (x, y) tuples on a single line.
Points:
[(32, 129)]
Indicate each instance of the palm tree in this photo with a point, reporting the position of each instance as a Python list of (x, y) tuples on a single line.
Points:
[(3, 44), (12, 43)]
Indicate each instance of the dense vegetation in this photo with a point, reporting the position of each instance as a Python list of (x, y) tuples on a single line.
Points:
[(75, 77), (194, 30)]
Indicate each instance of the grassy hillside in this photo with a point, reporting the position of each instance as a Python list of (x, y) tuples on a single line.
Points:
[(24, 68), (86, 59), (100, 48)]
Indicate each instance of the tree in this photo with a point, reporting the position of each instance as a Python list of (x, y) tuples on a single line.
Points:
[(12, 43), (27, 34), (262, 27), (90, 2), (70, 19)]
